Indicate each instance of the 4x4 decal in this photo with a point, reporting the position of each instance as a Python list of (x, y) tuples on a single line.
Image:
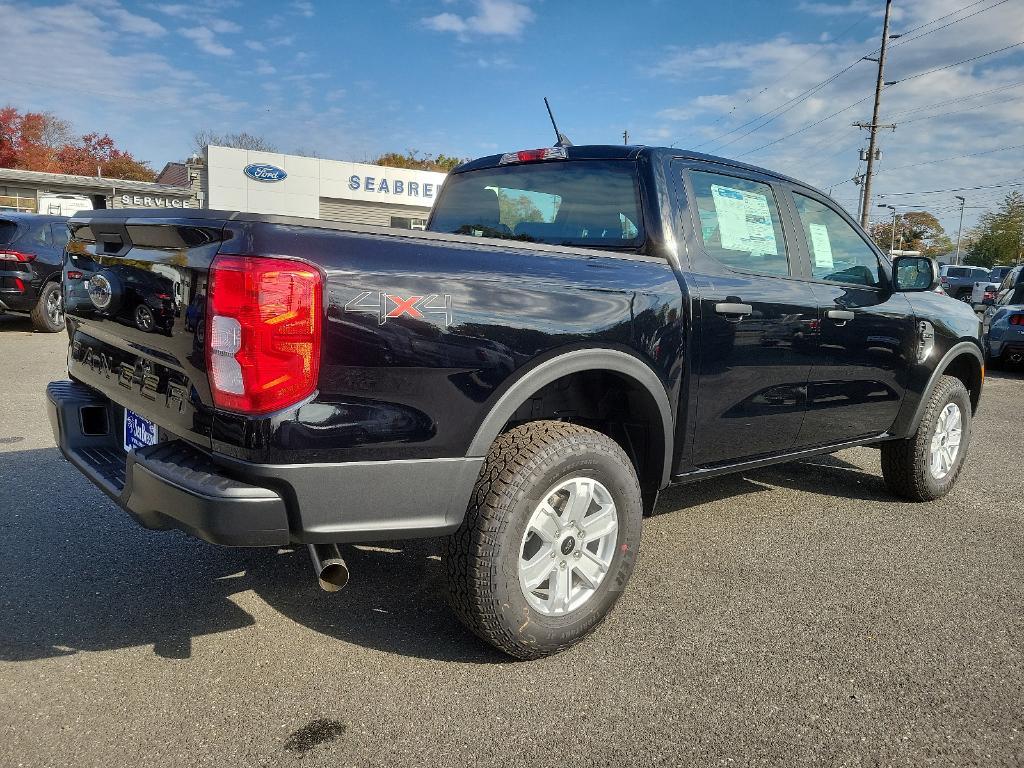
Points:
[(389, 305)]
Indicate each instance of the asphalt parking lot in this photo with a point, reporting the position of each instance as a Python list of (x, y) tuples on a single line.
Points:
[(787, 616)]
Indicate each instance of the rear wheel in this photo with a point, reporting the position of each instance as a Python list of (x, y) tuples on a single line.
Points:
[(926, 465), (549, 540), (48, 313)]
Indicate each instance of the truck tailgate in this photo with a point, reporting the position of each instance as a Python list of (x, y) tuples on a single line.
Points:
[(135, 297)]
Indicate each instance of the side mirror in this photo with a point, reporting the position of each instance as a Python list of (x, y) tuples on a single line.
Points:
[(915, 273)]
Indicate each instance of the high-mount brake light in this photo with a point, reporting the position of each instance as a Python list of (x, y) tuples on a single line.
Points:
[(264, 322), (530, 155), (17, 256)]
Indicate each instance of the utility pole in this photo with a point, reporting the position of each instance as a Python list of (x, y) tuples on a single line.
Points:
[(866, 207), (959, 230), (625, 137)]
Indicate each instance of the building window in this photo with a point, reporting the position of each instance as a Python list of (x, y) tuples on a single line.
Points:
[(405, 222)]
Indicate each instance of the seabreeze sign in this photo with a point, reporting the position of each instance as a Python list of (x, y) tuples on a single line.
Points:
[(264, 172), (381, 185)]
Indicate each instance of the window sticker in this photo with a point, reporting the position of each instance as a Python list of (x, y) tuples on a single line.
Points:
[(744, 221), (821, 246)]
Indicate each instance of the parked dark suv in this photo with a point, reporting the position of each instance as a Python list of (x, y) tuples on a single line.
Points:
[(31, 252)]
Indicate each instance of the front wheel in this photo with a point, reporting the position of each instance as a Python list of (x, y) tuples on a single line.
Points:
[(549, 540), (925, 466)]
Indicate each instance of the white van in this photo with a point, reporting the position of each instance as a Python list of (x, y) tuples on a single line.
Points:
[(63, 205)]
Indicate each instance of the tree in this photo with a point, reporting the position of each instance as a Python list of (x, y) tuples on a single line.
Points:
[(999, 237), (202, 139), (97, 154), (915, 231), (412, 159), (516, 209), (41, 141)]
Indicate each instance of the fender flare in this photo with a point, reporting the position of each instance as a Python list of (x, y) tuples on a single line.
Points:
[(958, 349), (565, 364)]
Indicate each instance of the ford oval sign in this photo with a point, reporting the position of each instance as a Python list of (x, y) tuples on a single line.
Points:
[(264, 172)]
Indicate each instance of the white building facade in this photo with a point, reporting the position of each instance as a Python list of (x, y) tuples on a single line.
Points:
[(311, 187)]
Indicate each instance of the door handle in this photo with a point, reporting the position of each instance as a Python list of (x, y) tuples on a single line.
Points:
[(840, 315), (734, 309)]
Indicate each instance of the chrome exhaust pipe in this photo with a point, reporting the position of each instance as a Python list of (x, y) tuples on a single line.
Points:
[(329, 567)]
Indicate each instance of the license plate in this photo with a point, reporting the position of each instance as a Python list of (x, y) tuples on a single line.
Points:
[(138, 432)]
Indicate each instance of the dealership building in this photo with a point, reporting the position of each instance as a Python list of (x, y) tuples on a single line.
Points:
[(242, 180), (310, 187)]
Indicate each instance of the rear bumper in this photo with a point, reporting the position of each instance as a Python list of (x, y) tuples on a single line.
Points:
[(174, 485)]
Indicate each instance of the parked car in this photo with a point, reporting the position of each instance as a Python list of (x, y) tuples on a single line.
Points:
[(1003, 322), (985, 289), (520, 379), (31, 251), (958, 282)]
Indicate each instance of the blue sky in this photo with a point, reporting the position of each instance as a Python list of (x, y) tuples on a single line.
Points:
[(348, 80)]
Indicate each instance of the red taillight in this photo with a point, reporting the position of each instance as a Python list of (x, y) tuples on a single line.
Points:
[(16, 256), (74, 274), (264, 320), (1016, 319), (944, 281)]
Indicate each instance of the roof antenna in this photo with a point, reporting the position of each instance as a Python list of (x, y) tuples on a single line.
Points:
[(563, 140)]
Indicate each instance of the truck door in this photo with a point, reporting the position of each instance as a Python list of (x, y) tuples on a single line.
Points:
[(868, 332), (758, 319)]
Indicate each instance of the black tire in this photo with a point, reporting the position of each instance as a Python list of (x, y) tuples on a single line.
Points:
[(42, 319), (906, 463), (482, 559)]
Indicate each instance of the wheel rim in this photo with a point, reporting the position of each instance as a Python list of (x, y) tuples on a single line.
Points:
[(143, 317), (946, 441), (55, 307), (568, 546)]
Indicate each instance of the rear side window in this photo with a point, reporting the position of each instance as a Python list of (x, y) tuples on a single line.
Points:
[(61, 235), (739, 223), (838, 253), (590, 203), (8, 229)]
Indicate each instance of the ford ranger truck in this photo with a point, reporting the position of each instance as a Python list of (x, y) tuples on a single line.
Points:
[(579, 328)]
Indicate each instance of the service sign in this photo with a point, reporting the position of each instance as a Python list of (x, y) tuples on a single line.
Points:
[(153, 201), (264, 172)]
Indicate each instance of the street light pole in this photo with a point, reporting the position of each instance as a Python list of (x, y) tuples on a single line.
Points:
[(892, 240), (959, 230)]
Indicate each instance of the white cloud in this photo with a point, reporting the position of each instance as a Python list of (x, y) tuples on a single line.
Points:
[(499, 18), (303, 8), (265, 68), (128, 22), (206, 41)]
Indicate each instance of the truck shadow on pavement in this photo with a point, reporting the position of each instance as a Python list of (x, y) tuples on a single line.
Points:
[(15, 323), (79, 575)]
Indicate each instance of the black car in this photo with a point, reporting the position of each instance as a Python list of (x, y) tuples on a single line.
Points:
[(578, 328), (31, 252)]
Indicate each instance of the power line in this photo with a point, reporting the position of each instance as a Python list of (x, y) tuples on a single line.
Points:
[(805, 128), (945, 26), (801, 97), (957, 157), (960, 111), (955, 64), (912, 110), (956, 189)]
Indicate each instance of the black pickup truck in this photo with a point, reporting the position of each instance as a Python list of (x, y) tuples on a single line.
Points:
[(578, 328)]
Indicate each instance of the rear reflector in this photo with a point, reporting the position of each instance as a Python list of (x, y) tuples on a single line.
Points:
[(16, 256), (529, 155), (263, 332), (1016, 319)]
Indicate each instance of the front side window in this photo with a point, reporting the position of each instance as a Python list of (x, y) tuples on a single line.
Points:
[(589, 203), (739, 223), (838, 253)]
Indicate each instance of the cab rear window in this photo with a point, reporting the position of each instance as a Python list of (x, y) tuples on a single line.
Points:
[(588, 203)]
